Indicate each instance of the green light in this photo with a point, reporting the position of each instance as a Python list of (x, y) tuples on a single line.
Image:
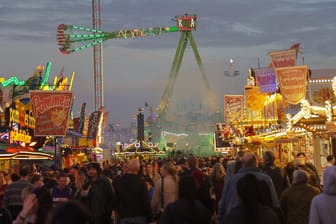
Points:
[(13, 81), (46, 75), (96, 37), (86, 29), (89, 45), (173, 29)]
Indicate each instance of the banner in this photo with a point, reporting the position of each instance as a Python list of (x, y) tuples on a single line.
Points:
[(284, 58), (320, 92), (81, 119), (265, 79), (51, 111), (292, 82), (93, 124), (254, 99), (233, 108)]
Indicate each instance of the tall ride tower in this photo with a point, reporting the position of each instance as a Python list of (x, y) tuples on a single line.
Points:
[(97, 58)]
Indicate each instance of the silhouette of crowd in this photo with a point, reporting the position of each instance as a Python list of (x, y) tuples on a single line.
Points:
[(250, 189)]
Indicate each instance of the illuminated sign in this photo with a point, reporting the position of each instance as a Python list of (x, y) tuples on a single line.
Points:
[(19, 136), (51, 111), (21, 118), (186, 22)]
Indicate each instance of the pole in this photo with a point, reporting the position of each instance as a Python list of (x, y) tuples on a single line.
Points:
[(55, 153)]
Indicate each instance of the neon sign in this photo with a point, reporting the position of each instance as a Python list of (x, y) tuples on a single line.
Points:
[(20, 136), (20, 117)]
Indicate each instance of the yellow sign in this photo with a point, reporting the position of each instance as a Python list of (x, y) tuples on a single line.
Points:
[(20, 136), (22, 118)]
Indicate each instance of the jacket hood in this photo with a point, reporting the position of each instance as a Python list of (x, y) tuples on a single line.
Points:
[(329, 180)]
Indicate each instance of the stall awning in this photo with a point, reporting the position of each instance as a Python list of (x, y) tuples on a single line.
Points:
[(24, 155)]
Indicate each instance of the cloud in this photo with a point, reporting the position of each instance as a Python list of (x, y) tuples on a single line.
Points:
[(238, 27), (138, 69)]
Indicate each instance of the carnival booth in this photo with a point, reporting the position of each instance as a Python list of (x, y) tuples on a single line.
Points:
[(285, 110), (33, 111), (143, 149)]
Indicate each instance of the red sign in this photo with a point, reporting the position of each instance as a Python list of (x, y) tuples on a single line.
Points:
[(51, 111), (284, 58)]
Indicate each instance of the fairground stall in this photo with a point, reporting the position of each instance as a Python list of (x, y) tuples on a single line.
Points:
[(284, 109), (32, 110)]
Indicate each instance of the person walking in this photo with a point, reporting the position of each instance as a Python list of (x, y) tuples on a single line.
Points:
[(277, 174), (100, 195), (37, 204), (217, 176), (232, 167), (37, 180), (229, 198), (302, 163), (62, 192), (322, 208), (12, 198), (165, 189), (187, 209), (132, 195), (295, 201), (249, 210)]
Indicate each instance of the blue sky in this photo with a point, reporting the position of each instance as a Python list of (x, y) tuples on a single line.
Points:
[(137, 70)]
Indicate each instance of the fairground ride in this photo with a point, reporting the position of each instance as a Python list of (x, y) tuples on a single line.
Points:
[(72, 38)]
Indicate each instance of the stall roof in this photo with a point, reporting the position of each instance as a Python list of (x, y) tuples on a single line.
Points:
[(24, 155)]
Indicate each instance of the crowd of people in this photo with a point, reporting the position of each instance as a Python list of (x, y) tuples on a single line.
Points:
[(195, 190)]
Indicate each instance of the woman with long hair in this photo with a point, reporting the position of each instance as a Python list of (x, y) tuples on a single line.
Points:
[(37, 205), (217, 176), (166, 188)]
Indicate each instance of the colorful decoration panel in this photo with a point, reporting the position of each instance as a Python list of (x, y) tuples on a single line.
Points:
[(51, 111), (233, 108)]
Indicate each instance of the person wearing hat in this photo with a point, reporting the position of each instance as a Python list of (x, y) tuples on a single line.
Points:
[(100, 196), (183, 167)]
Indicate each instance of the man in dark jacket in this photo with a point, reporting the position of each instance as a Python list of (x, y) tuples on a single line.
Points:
[(132, 194), (229, 198), (277, 174), (295, 201), (101, 197)]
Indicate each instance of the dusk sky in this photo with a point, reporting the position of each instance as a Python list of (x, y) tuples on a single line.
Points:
[(136, 70)]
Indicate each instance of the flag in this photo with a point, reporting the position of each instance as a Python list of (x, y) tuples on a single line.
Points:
[(296, 47), (81, 120), (282, 53), (292, 83)]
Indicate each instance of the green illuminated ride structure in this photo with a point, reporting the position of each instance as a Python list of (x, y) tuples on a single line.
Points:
[(69, 42)]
